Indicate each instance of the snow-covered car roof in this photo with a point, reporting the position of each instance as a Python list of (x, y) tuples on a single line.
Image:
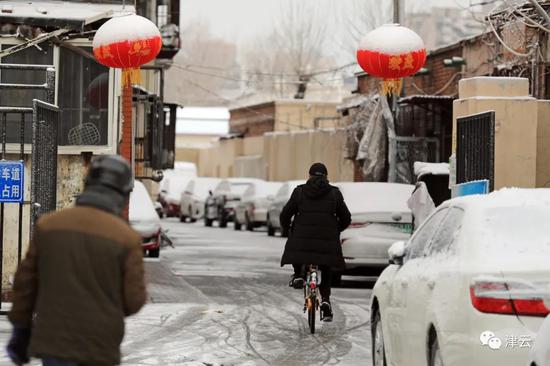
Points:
[(200, 186), (365, 197), (422, 168), (506, 197), (141, 207), (262, 189), (506, 229)]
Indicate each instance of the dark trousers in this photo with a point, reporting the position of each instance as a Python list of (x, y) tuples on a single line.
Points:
[(326, 279)]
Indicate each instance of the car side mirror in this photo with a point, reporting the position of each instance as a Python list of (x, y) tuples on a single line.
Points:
[(397, 253)]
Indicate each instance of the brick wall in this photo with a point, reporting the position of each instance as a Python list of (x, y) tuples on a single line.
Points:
[(254, 120), (439, 79)]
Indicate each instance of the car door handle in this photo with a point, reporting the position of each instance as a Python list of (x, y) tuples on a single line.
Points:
[(430, 284)]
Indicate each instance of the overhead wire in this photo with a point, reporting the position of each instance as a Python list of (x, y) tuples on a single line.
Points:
[(227, 100)]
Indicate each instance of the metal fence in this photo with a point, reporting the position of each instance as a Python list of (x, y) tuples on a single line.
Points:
[(44, 159), (475, 153), (45, 118)]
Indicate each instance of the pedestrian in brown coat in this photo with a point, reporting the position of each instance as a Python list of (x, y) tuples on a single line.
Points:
[(82, 275)]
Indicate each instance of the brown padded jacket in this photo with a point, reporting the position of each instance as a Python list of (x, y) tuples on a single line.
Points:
[(82, 275)]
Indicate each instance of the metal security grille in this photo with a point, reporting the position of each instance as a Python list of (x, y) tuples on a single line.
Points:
[(14, 129), (408, 150), (44, 158), (475, 153)]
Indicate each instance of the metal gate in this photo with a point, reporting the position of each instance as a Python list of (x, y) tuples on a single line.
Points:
[(475, 150), (408, 150), (44, 119)]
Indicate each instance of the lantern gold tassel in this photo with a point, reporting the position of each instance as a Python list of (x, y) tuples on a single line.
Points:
[(392, 86), (131, 76)]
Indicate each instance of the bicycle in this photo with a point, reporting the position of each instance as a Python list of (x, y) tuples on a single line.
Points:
[(312, 295)]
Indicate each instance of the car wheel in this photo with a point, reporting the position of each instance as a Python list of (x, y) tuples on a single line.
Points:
[(249, 225), (435, 353), (378, 347), (207, 222), (223, 221), (154, 253), (237, 225), (270, 228), (182, 218)]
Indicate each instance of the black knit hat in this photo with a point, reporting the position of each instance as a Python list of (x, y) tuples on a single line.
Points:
[(318, 169)]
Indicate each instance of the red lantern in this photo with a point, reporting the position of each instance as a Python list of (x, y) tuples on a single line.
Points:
[(391, 52), (127, 42)]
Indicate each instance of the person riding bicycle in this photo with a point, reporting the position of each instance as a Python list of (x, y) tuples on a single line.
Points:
[(320, 215)]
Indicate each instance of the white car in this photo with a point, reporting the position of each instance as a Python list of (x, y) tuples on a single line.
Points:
[(279, 201), (252, 209), (463, 289), (221, 206), (379, 217), (194, 197), (144, 219), (171, 194), (540, 354)]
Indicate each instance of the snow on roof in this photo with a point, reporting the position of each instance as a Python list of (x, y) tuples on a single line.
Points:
[(64, 12), (202, 120), (364, 197), (422, 168), (203, 113)]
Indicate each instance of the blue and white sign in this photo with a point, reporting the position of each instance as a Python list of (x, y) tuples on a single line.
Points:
[(472, 188), (12, 174)]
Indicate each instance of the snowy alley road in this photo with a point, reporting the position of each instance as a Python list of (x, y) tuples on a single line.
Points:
[(221, 298)]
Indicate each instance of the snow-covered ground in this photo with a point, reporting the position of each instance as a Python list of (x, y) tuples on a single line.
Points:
[(221, 298)]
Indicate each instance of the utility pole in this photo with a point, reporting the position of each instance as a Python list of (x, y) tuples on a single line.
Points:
[(396, 11)]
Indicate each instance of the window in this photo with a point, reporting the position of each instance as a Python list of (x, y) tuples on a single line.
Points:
[(423, 236), (444, 238), (83, 97), (23, 97)]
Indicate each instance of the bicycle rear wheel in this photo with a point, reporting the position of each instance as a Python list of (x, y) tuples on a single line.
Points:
[(311, 314)]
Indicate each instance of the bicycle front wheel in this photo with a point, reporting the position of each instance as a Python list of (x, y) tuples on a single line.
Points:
[(311, 315)]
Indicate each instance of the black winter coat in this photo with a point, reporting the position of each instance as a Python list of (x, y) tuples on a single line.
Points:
[(320, 214)]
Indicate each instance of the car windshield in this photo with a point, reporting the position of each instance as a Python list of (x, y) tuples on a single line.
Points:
[(516, 235), (239, 188)]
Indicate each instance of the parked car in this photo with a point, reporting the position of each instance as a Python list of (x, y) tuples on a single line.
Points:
[(144, 219), (221, 206), (194, 197), (540, 353), (181, 170), (463, 289), (379, 218), (279, 201), (158, 209), (171, 194), (252, 209)]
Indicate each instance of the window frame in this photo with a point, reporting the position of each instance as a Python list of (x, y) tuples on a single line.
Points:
[(113, 105), (445, 211)]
